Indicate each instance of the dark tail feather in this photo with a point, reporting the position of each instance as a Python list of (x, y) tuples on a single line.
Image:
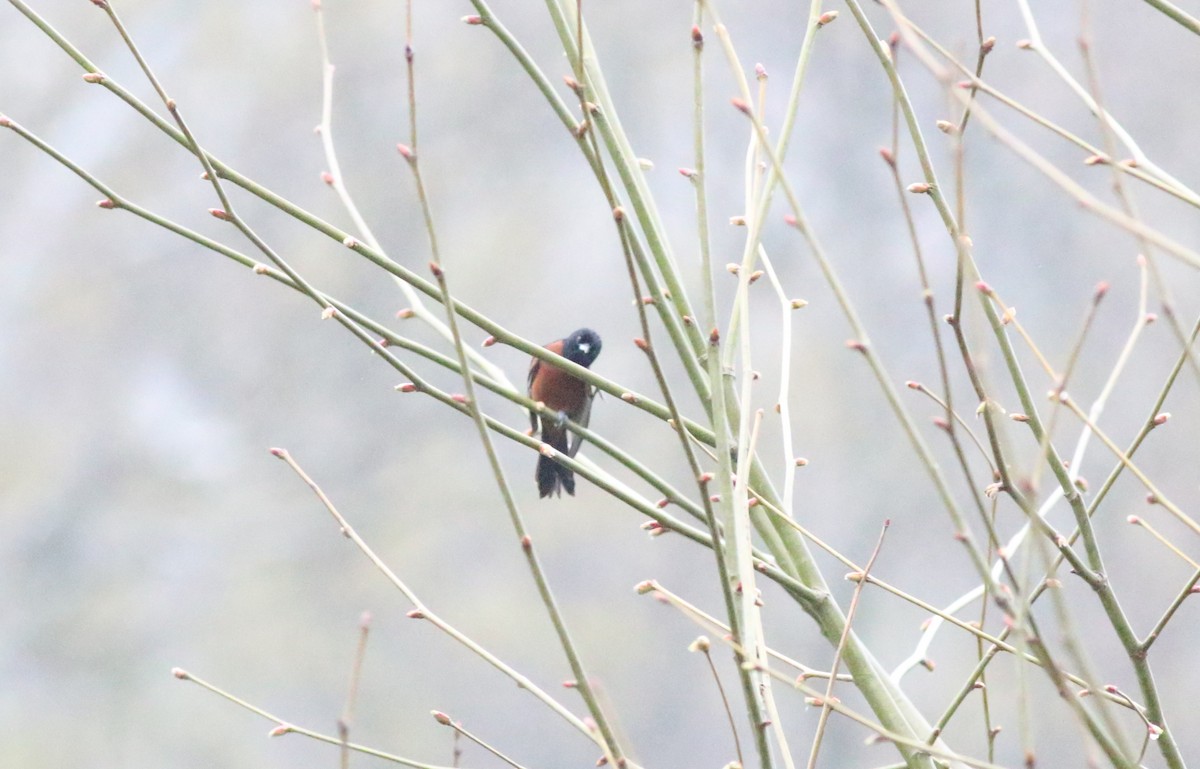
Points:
[(553, 478)]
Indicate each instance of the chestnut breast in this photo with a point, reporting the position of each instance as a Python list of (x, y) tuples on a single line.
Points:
[(556, 388)]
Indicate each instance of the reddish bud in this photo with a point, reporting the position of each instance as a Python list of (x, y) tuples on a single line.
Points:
[(181, 674), (660, 504), (473, 19), (106, 204), (1161, 419), (697, 36), (918, 188), (440, 717), (619, 214), (436, 269), (415, 614), (760, 72), (406, 313), (654, 528), (218, 213), (459, 398), (407, 387), (988, 45), (855, 344), (641, 344), (983, 288), (327, 178), (350, 242), (1025, 45), (93, 77), (405, 151), (740, 106), (1095, 160), (629, 397), (688, 172), (714, 337), (910, 384), (826, 18), (526, 543), (1101, 290), (887, 156)]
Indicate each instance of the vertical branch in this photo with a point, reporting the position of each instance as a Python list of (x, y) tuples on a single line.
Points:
[(608, 741), (337, 181), (861, 581), (360, 651)]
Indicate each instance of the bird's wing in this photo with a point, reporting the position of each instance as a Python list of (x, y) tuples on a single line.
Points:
[(534, 365), (582, 421)]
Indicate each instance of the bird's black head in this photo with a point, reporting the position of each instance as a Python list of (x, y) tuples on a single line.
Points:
[(582, 347)]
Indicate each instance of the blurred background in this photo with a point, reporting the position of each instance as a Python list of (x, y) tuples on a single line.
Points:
[(142, 379)]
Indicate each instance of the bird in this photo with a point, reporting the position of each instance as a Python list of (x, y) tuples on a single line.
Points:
[(570, 398)]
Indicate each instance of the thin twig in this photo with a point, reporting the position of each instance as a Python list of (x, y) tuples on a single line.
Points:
[(283, 726), (347, 716), (421, 611), (459, 729), (823, 720)]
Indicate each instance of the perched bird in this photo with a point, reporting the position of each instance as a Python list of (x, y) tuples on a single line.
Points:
[(570, 397)]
